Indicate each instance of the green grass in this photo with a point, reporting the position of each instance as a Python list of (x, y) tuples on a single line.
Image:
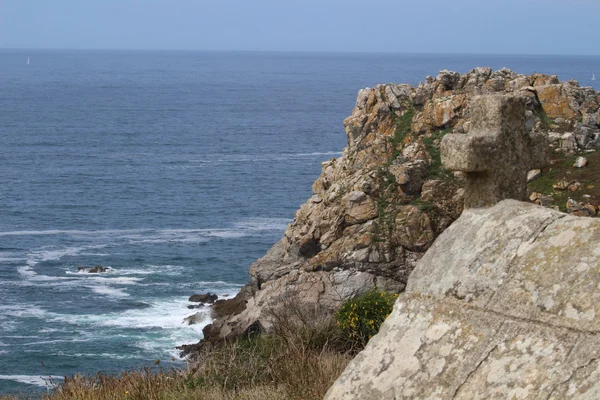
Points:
[(403, 129), (386, 204), (563, 170), (436, 170)]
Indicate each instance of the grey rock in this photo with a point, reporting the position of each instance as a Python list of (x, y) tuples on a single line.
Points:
[(491, 312), (580, 162), (203, 298), (533, 175)]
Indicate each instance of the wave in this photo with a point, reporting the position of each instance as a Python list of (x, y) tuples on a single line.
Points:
[(12, 259), (140, 233), (264, 224), (103, 355), (241, 158), (149, 269), (34, 380), (45, 342), (111, 292)]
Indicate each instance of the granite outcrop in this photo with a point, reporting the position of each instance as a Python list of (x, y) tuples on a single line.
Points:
[(503, 305), (378, 208)]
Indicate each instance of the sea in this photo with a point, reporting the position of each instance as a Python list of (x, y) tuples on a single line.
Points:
[(176, 170)]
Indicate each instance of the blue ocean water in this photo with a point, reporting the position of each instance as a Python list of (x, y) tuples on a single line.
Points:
[(177, 170)]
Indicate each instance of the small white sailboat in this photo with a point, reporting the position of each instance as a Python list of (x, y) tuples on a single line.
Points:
[(28, 60), (593, 77)]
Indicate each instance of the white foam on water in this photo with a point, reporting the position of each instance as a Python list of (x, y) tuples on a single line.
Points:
[(12, 259), (326, 153), (22, 310), (26, 272), (227, 234), (105, 355), (150, 269), (34, 380), (51, 330), (264, 224), (165, 314), (111, 292), (238, 158), (45, 342), (56, 254), (73, 232), (234, 286)]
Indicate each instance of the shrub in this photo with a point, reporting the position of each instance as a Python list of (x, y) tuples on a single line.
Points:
[(361, 317)]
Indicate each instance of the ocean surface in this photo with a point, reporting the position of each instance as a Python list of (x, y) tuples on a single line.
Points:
[(175, 169)]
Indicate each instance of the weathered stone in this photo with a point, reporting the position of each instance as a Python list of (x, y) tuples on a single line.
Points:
[(497, 152), (533, 175), (359, 207), (580, 162), (555, 102), (491, 312)]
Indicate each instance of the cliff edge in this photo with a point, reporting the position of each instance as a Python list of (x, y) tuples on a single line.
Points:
[(376, 209)]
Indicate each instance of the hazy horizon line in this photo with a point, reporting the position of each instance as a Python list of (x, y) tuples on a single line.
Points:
[(293, 51)]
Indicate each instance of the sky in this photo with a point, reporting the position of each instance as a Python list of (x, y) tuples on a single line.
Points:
[(563, 27)]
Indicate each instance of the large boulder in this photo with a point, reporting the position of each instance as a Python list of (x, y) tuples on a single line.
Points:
[(505, 304)]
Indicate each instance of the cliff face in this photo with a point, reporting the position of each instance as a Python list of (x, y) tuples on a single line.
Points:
[(378, 208)]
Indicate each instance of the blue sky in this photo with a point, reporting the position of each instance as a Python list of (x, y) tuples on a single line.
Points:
[(422, 26)]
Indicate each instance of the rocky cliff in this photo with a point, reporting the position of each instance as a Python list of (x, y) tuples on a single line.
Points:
[(504, 305), (379, 207)]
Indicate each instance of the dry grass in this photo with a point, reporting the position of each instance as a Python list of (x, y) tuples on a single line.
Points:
[(299, 361)]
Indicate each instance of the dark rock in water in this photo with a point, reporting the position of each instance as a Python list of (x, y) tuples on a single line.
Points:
[(97, 269), (93, 270), (203, 298), (195, 306), (193, 319)]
